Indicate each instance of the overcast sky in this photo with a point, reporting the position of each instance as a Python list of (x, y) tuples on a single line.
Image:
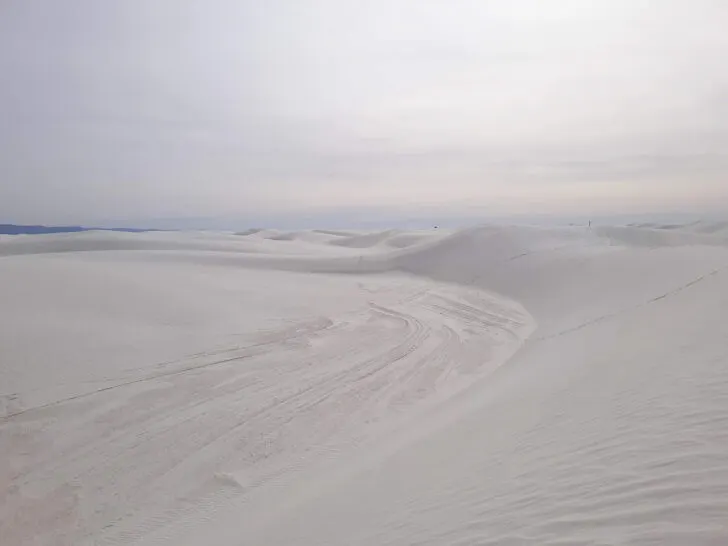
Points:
[(134, 110)]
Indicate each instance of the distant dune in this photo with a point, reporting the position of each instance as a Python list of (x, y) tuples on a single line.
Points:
[(13, 229), (495, 386)]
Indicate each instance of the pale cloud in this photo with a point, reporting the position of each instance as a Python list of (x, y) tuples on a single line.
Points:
[(143, 109)]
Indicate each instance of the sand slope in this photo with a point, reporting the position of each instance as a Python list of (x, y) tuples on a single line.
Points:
[(498, 385)]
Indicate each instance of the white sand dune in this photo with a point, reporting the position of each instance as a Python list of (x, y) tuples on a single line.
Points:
[(365, 240), (492, 386), (335, 232), (704, 227), (311, 236), (710, 227)]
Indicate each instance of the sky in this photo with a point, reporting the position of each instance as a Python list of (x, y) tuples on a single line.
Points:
[(144, 111)]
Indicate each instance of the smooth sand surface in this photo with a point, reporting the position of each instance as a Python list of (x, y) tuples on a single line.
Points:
[(490, 386)]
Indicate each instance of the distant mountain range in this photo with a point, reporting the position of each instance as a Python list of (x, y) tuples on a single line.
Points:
[(13, 229)]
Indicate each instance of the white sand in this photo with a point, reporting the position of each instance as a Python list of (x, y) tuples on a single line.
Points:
[(496, 385)]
